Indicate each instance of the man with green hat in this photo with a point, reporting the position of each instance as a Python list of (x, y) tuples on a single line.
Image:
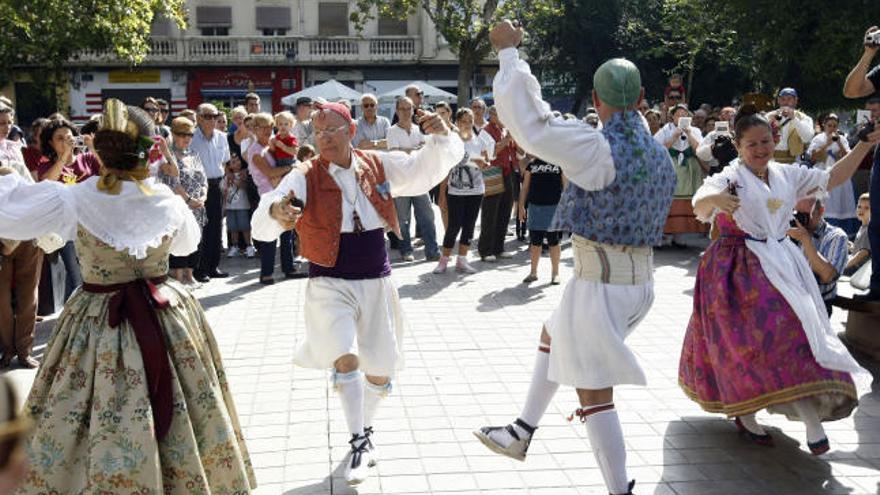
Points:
[(620, 189)]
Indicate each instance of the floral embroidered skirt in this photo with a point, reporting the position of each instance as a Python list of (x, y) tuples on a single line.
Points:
[(93, 426), (745, 348)]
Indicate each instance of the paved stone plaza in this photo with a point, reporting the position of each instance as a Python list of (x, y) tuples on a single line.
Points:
[(469, 352)]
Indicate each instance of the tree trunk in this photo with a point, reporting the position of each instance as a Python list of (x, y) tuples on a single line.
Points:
[(692, 64), (465, 76)]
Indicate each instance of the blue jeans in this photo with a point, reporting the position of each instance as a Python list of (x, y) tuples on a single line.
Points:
[(874, 225), (73, 278), (424, 220), (267, 255)]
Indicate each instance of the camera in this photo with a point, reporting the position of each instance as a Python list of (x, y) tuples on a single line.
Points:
[(867, 129), (873, 39), (835, 138), (801, 217), (723, 149)]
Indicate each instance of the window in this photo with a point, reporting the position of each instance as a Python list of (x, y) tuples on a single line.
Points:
[(392, 26), (215, 31), (214, 21), (273, 21), (333, 19)]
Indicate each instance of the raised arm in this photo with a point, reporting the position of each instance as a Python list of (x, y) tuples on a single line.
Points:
[(581, 151), (857, 84), (28, 211), (416, 173)]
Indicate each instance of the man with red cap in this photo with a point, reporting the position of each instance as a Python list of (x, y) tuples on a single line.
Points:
[(341, 205)]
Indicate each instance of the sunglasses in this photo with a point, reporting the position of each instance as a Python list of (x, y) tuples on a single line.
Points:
[(183, 134), (674, 97), (210, 116), (369, 105)]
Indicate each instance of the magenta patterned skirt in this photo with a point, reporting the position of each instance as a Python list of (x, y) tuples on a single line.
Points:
[(745, 348)]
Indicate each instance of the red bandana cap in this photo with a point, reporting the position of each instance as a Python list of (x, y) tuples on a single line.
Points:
[(337, 108)]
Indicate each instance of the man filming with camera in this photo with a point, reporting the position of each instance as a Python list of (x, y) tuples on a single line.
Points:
[(795, 128), (717, 147), (861, 83), (825, 246)]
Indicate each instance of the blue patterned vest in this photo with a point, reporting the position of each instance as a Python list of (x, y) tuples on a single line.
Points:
[(632, 210)]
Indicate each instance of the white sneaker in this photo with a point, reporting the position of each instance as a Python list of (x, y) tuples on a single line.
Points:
[(250, 252), (462, 266), (505, 440), (359, 460), (490, 259), (505, 255), (441, 265), (232, 253)]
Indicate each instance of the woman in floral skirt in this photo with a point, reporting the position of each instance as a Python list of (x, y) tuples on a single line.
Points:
[(759, 337), (131, 396)]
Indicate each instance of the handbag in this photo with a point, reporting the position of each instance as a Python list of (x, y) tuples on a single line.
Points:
[(493, 178)]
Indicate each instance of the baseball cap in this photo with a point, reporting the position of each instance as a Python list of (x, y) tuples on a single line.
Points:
[(788, 92), (618, 83)]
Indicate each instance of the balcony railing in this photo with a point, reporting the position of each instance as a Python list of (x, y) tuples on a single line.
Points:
[(229, 50)]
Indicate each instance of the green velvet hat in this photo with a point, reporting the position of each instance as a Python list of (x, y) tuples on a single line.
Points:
[(618, 83)]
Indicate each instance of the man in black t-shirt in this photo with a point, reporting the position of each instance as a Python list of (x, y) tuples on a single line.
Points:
[(861, 83)]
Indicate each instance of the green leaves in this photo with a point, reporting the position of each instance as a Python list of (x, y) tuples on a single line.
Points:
[(48, 33)]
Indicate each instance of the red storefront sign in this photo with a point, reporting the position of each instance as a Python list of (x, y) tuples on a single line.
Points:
[(209, 84)]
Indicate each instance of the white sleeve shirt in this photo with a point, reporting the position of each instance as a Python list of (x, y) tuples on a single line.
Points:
[(410, 174), (581, 151)]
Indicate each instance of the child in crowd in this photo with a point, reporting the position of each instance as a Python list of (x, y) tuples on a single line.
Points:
[(238, 208), (860, 251), (284, 144), (306, 152), (674, 84), (541, 190)]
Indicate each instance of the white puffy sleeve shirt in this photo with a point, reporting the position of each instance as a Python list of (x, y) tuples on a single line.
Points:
[(581, 151), (130, 221), (410, 174)]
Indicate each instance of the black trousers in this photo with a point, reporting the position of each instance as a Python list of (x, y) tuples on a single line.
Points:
[(211, 244), (462, 215), (494, 219)]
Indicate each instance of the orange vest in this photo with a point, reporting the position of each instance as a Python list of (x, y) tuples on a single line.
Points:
[(321, 221)]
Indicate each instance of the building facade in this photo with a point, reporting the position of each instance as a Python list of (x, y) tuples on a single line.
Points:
[(270, 47)]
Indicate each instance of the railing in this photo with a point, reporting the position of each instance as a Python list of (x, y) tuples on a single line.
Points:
[(229, 50)]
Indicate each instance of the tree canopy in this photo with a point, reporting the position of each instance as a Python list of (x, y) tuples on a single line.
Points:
[(48, 33)]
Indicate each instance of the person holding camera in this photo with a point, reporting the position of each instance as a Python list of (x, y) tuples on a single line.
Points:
[(795, 128), (717, 149), (682, 139), (825, 150), (824, 245), (861, 83), (759, 336)]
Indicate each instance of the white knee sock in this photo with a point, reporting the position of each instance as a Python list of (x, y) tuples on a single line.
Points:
[(806, 409), (751, 424), (606, 438), (373, 395), (351, 394), (541, 390)]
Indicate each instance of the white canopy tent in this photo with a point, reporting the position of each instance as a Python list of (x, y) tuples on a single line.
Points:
[(331, 90), (430, 94)]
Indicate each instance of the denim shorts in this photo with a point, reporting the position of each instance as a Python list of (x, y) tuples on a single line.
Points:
[(238, 220)]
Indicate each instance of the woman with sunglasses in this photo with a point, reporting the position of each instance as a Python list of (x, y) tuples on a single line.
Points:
[(191, 184)]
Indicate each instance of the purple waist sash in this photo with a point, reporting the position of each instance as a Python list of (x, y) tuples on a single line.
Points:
[(361, 256)]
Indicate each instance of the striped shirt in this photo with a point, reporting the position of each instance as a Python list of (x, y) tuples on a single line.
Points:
[(831, 242)]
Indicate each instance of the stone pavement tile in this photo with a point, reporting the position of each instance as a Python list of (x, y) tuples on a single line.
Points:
[(498, 480), (405, 484), (716, 487), (395, 467), (545, 478), (452, 482)]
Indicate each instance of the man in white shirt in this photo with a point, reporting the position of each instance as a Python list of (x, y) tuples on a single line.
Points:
[(212, 148), (795, 127), (708, 148), (354, 322), (303, 130), (372, 129), (406, 136)]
